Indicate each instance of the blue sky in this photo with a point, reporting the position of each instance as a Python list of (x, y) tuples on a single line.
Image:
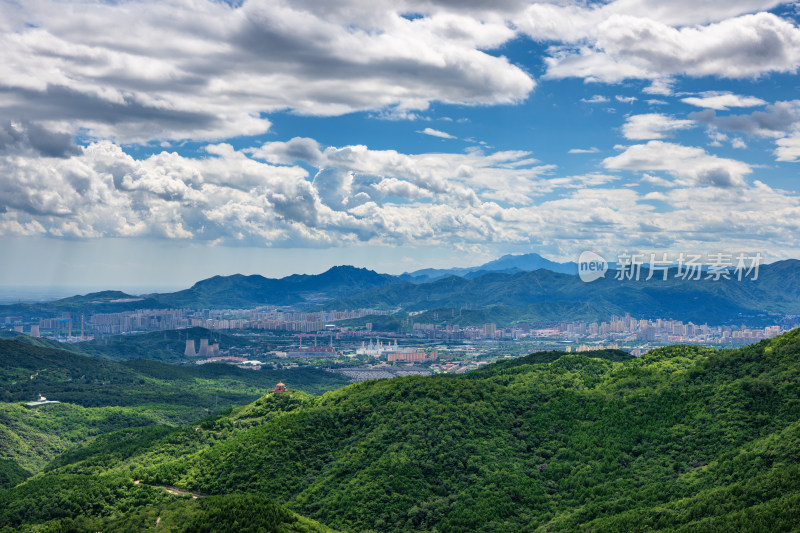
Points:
[(154, 143)]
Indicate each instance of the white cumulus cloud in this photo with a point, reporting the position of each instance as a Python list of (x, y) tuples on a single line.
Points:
[(650, 40), (722, 101), (689, 165), (788, 148), (653, 126), (437, 133), (179, 69)]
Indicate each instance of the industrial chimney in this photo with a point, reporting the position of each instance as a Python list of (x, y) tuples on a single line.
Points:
[(189, 348)]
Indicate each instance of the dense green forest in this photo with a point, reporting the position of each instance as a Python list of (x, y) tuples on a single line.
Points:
[(100, 396), (684, 438), (27, 370)]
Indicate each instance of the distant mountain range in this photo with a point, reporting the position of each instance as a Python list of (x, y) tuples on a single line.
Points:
[(247, 291), (511, 293), (508, 264), (235, 291), (545, 295)]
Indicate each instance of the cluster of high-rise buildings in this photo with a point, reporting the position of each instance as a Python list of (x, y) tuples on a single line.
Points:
[(627, 328), (455, 332), (138, 320), (60, 328), (265, 318), (661, 330)]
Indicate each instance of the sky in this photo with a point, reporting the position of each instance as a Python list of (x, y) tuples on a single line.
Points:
[(153, 143)]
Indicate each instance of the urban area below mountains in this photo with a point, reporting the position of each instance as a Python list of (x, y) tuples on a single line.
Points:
[(368, 343)]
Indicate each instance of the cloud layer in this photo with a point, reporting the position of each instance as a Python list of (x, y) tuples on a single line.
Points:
[(266, 196), (112, 74), (652, 40), (140, 70)]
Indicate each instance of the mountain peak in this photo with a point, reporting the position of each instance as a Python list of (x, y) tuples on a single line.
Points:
[(509, 264), (348, 269)]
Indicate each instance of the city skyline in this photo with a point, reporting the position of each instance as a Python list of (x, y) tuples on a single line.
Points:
[(323, 323), (149, 143)]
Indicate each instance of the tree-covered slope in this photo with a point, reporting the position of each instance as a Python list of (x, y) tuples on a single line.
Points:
[(27, 370), (99, 396), (115, 504), (683, 438), (89, 487), (11, 473), (527, 363), (555, 448), (30, 438), (231, 513)]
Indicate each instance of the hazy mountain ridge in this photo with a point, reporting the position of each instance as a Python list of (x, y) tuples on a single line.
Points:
[(777, 291), (507, 264), (251, 291), (235, 291), (95, 302), (538, 295)]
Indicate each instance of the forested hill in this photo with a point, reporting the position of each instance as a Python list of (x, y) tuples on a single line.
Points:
[(27, 370), (250, 291), (682, 439)]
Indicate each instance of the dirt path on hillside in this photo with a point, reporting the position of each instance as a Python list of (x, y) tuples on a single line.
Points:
[(175, 491)]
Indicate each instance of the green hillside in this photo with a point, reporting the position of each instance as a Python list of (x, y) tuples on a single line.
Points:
[(231, 513), (683, 438), (99, 396), (27, 370), (11, 473), (114, 504), (29, 439)]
